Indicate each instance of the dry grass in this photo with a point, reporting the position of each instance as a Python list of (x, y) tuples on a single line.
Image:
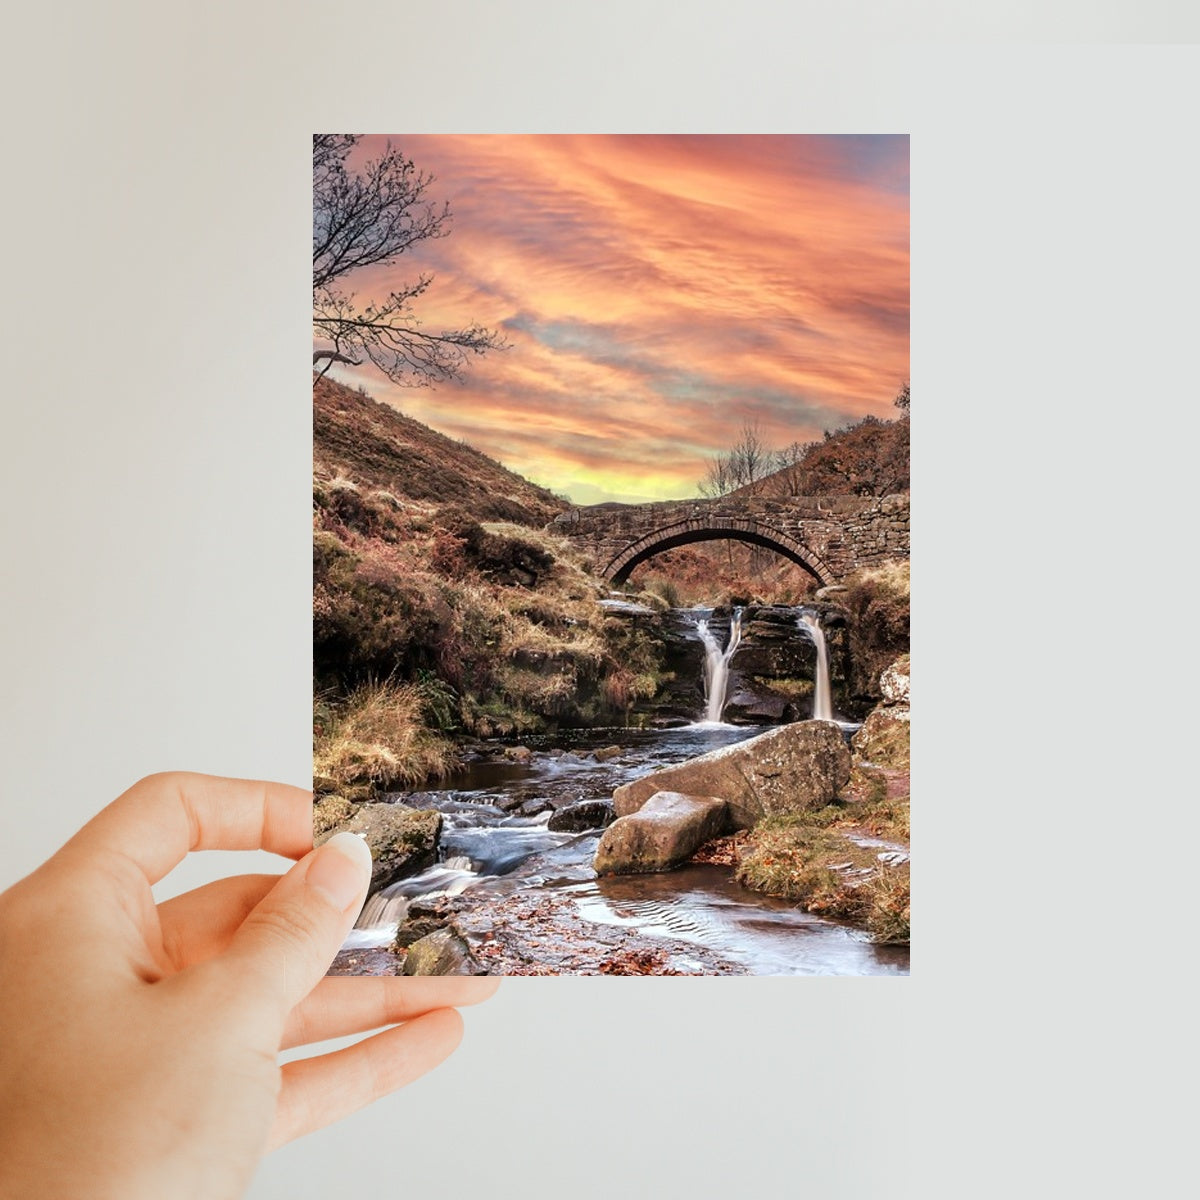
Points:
[(379, 737), (891, 577), (877, 799), (415, 580), (397, 592), (889, 916), (826, 874)]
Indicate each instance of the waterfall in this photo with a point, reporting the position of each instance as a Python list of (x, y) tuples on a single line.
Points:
[(822, 705), (716, 664), (376, 924)]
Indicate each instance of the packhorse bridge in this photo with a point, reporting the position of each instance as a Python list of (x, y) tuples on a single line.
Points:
[(829, 536)]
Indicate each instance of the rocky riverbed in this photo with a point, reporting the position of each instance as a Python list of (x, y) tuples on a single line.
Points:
[(513, 889)]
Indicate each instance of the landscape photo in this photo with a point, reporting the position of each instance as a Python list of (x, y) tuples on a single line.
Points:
[(611, 550)]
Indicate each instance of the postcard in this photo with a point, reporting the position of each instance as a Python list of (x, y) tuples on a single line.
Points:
[(611, 550)]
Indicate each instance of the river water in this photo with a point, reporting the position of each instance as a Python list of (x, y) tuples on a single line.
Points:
[(495, 837)]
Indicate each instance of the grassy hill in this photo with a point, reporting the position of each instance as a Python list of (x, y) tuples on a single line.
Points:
[(442, 607), (372, 444)]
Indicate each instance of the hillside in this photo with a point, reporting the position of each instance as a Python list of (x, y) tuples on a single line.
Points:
[(442, 607), (868, 458), (375, 446)]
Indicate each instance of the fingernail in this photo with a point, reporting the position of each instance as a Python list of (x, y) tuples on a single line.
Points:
[(340, 869)]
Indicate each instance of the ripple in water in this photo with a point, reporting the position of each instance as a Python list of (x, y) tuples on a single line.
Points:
[(704, 905)]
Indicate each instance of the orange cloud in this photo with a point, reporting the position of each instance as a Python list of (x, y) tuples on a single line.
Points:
[(656, 292)]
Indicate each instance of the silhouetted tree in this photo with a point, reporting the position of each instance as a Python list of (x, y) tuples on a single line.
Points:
[(369, 217)]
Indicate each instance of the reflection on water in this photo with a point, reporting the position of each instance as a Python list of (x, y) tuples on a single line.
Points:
[(703, 904)]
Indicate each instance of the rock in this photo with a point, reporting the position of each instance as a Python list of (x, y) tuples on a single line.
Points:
[(412, 799), (606, 753), (883, 738), (894, 682), (664, 833), (762, 707), (437, 906), (578, 818), (533, 806), (441, 953), (414, 930), (330, 813), (791, 769), (520, 754), (402, 840)]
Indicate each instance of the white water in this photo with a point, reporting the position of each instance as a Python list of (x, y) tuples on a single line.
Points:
[(716, 664), (376, 924), (822, 704)]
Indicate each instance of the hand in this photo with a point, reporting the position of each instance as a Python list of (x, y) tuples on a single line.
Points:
[(139, 1043)]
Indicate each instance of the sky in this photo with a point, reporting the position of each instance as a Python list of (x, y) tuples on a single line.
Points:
[(656, 292)]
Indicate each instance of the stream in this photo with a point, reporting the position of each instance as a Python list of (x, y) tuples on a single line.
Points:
[(496, 840)]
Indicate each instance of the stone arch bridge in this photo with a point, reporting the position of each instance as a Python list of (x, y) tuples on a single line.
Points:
[(829, 536)]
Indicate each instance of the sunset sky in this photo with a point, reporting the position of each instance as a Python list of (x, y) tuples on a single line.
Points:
[(656, 291)]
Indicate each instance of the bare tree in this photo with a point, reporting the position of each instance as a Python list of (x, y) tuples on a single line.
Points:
[(789, 466), (750, 456), (745, 462), (369, 217), (718, 479)]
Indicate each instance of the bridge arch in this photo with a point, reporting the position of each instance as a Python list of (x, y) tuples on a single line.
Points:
[(714, 528)]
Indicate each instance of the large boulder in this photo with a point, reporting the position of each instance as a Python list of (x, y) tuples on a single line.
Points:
[(402, 840), (665, 832), (792, 769)]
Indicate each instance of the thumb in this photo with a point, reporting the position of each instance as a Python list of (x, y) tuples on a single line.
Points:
[(286, 943)]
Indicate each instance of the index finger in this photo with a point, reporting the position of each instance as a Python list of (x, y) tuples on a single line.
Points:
[(163, 817)]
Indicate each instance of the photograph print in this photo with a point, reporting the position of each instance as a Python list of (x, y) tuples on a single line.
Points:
[(611, 550)]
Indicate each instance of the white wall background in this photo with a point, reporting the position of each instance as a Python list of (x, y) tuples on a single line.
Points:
[(156, 551)]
